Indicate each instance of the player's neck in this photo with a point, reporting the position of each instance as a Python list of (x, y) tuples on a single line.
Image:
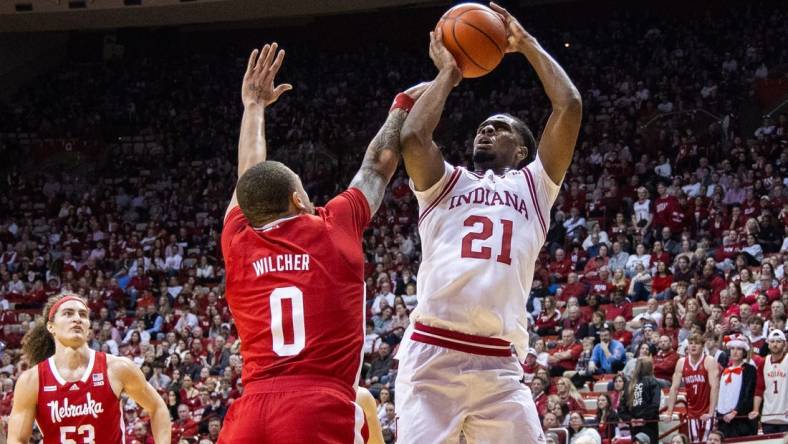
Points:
[(778, 357), (497, 170), (71, 358)]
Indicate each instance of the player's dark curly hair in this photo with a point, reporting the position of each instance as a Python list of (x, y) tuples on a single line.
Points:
[(527, 136), (264, 191), (38, 343)]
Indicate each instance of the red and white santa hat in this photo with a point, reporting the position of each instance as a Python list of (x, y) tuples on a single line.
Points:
[(737, 341)]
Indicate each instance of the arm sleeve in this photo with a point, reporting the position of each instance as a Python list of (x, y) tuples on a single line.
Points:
[(350, 212), (426, 197)]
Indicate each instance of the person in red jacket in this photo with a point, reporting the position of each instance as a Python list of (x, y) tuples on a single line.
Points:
[(185, 426), (665, 361), (564, 356), (560, 267)]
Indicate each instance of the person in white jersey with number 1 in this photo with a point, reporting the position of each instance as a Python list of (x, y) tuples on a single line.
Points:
[(481, 232)]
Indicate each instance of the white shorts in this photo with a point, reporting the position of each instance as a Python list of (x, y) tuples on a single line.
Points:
[(441, 392)]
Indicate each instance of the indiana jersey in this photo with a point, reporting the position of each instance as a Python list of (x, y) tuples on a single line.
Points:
[(295, 288), (696, 381), (80, 411), (481, 234), (775, 395)]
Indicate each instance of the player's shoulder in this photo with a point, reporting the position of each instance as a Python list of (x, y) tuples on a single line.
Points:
[(28, 379), (119, 365)]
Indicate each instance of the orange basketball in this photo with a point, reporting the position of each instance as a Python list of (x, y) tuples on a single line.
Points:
[(476, 37)]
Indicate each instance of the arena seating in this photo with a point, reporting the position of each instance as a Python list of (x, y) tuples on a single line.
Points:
[(116, 177)]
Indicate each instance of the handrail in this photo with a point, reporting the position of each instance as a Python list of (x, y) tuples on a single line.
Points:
[(685, 111)]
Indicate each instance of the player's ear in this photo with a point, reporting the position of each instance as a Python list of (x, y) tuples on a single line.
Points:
[(298, 203), (522, 154)]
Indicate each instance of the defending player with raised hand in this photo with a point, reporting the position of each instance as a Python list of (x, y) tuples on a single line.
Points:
[(301, 340), (73, 392), (481, 232)]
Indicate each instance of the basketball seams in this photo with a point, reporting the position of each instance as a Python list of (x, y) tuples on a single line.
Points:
[(484, 33), (487, 29), (457, 41)]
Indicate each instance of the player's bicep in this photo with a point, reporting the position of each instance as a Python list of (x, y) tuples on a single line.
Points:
[(23, 410), (557, 143), (135, 385), (423, 162)]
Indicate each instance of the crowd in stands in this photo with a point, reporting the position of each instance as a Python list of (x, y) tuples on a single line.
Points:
[(666, 225)]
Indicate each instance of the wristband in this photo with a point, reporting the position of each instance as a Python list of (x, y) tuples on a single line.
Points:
[(403, 102)]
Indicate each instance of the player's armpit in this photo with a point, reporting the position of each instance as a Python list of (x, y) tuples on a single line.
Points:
[(23, 411)]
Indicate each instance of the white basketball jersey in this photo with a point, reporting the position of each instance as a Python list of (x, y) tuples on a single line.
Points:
[(480, 237), (775, 394)]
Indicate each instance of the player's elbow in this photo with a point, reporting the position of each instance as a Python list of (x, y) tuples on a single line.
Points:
[(414, 136), (571, 103)]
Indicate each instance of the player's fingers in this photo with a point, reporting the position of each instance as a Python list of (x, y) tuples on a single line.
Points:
[(252, 61), (277, 63), (270, 56), (281, 89), (499, 9), (263, 55)]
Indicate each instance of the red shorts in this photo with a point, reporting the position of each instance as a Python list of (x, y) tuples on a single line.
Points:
[(293, 410)]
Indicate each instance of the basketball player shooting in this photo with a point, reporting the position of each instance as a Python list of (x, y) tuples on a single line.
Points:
[(481, 231), (301, 339), (72, 392)]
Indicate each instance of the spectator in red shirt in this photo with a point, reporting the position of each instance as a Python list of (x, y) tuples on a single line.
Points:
[(548, 321), (662, 278), (620, 332), (620, 306), (572, 288), (184, 427), (141, 434), (665, 361), (540, 397), (564, 356), (560, 267), (664, 207), (572, 319)]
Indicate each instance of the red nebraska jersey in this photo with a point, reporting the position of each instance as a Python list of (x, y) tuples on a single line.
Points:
[(696, 381), (83, 411), (296, 291)]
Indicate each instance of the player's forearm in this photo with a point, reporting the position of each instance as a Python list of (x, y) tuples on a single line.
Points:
[(251, 141), (161, 425), (381, 160), (427, 111), (383, 152), (557, 85), (715, 388)]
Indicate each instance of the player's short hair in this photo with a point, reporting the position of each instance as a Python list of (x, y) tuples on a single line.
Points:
[(696, 338), (526, 135), (264, 190)]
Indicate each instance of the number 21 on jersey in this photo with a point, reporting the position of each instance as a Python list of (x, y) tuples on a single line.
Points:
[(478, 245)]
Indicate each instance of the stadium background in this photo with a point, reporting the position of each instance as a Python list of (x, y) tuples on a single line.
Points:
[(118, 132)]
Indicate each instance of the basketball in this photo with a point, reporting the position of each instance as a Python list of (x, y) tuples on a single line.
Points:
[(476, 37)]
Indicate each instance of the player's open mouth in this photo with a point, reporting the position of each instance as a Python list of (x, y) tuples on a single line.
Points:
[(484, 142)]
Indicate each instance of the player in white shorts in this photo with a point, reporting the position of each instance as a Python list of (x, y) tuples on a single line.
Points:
[(481, 232)]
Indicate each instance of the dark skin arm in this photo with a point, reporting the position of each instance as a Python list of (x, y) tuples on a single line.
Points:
[(422, 157), (557, 143)]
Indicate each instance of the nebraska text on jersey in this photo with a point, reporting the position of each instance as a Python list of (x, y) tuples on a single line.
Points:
[(281, 262), (89, 407)]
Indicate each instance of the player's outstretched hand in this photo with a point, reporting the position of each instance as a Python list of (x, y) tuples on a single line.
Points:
[(258, 84), (441, 56), (517, 36)]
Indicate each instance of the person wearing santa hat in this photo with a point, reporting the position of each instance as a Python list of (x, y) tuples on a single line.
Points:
[(739, 399)]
